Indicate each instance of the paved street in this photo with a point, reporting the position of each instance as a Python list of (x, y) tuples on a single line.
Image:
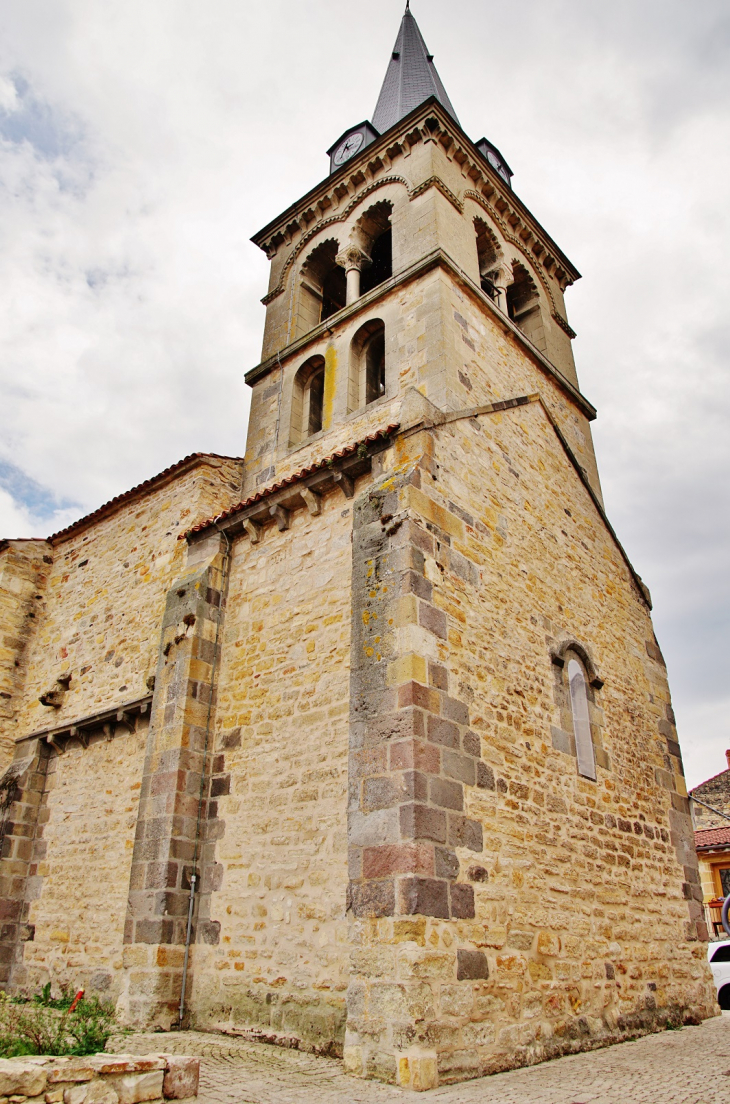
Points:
[(691, 1066)]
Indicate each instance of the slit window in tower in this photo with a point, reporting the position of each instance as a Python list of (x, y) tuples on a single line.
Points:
[(375, 367), (316, 401), (581, 720)]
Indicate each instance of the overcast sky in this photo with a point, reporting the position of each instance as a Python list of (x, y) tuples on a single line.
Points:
[(142, 142)]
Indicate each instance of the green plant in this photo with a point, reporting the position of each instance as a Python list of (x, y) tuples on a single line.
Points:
[(42, 1025), (44, 997)]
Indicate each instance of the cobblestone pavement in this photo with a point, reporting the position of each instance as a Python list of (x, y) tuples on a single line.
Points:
[(691, 1066)]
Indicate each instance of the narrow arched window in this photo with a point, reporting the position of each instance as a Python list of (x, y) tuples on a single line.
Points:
[(381, 266), (334, 292), (523, 306), (322, 287), (375, 367), (488, 254), (373, 235), (367, 365), (316, 400), (581, 720), (307, 400)]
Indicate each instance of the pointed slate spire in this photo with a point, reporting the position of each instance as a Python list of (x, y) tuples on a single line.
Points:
[(411, 77)]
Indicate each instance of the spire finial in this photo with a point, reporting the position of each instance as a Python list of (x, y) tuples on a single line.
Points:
[(408, 5)]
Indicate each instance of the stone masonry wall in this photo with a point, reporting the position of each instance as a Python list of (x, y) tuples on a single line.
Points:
[(506, 909), (487, 364), (23, 571), (79, 878), (70, 827), (277, 859), (99, 1079), (105, 595)]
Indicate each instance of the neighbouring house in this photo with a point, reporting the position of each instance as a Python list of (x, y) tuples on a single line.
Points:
[(710, 800)]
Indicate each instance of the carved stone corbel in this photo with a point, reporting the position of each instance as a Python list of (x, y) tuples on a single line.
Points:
[(345, 483), (253, 530), (281, 515), (313, 501)]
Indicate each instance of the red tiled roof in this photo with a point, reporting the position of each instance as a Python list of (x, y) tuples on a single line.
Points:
[(296, 477), (5, 541), (712, 837), (141, 488)]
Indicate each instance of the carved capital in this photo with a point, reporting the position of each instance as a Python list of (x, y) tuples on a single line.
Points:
[(501, 276), (353, 257)]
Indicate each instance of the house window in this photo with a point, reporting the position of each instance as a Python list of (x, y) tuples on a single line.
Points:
[(581, 720), (723, 876)]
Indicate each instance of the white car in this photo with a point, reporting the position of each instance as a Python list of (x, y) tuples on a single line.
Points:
[(718, 956)]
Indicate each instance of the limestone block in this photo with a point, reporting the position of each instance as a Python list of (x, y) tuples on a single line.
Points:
[(19, 1078), (418, 1072), (75, 1069), (132, 1088), (105, 1064), (95, 1092), (181, 1077)]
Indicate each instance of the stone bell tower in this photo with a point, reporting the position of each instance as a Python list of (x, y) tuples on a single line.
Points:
[(435, 643)]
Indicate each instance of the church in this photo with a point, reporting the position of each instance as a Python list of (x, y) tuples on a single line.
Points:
[(363, 743)]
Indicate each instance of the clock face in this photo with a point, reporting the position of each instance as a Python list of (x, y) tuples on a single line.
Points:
[(348, 148)]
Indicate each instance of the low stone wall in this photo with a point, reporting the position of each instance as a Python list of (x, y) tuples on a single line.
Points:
[(99, 1079)]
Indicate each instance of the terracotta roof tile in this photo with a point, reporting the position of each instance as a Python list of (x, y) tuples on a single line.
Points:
[(296, 477), (712, 837), (141, 488)]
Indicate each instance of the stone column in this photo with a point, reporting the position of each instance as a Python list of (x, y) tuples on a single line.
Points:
[(353, 260), (170, 811), (502, 279)]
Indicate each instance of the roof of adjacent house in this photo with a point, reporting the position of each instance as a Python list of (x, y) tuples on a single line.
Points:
[(712, 838), (710, 785), (410, 79)]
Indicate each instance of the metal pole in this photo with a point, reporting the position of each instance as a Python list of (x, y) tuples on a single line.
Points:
[(193, 880)]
